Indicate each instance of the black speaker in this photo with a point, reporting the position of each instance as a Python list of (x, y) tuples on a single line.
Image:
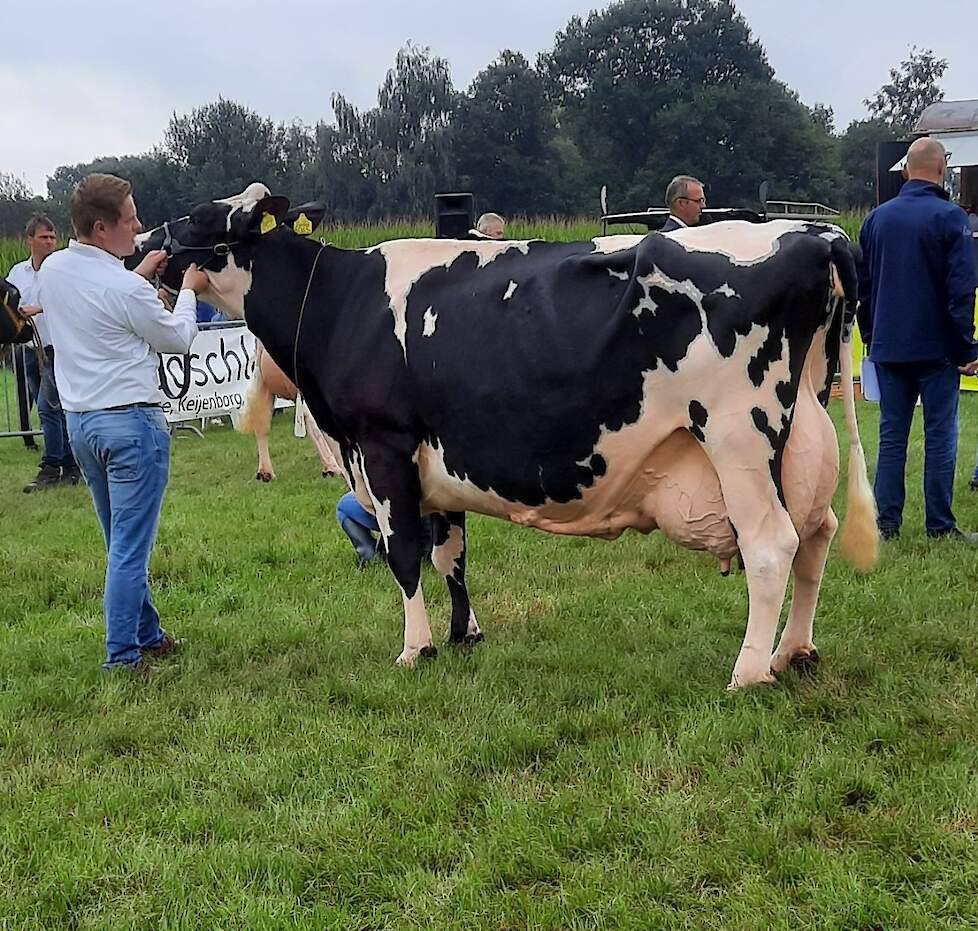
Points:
[(888, 183), (453, 215)]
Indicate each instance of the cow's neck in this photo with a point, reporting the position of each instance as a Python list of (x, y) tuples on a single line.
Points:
[(280, 272)]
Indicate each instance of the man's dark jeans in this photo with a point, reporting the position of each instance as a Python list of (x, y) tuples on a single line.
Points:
[(937, 386), (44, 391)]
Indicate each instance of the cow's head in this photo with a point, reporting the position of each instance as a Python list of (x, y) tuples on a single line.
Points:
[(221, 237)]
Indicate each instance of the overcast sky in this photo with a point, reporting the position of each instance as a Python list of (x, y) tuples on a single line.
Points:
[(80, 80)]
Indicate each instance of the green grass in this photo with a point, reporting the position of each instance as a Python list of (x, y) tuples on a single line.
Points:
[(582, 768)]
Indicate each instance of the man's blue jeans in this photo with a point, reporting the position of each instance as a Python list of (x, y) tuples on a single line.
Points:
[(124, 455), (937, 386), (44, 391)]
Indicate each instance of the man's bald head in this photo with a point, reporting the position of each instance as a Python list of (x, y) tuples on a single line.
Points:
[(926, 161)]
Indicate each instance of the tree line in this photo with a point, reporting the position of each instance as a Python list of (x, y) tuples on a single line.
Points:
[(628, 97)]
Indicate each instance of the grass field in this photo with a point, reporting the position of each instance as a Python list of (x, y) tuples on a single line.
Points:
[(582, 768)]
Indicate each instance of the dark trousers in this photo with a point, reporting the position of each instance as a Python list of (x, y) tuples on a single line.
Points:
[(44, 392), (937, 386)]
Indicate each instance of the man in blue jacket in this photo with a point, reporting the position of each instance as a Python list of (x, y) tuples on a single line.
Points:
[(916, 314)]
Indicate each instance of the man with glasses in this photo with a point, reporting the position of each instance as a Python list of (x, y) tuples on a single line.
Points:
[(685, 200)]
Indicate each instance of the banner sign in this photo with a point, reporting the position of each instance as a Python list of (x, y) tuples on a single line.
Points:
[(212, 378)]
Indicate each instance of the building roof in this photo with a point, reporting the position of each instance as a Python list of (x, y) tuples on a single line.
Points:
[(948, 116)]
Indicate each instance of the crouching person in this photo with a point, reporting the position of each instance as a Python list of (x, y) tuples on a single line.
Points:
[(108, 326), (360, 526)]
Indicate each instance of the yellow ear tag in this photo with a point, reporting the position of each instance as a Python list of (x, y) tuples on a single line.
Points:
[(268, 223), (302, 225)]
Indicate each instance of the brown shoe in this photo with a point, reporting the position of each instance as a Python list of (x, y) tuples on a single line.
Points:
[(165, 647), (139, 670)]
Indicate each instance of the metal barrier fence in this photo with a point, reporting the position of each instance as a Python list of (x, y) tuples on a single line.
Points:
[(18, 414), (17, 419)]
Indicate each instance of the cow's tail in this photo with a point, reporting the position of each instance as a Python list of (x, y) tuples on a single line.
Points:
[(256, 412), (859, 537)]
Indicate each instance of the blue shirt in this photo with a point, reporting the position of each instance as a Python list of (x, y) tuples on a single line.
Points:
[(917, 279)]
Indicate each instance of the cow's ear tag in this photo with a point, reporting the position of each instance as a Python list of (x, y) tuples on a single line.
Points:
[(268, 223), (302, 225)]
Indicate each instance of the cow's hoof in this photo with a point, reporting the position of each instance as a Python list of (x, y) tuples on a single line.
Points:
[(741, 681), (805, 662), (263, 476), (408, 658), (801, 659), (468, 640)]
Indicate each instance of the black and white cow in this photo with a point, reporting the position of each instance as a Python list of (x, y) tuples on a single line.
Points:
[(587, 388)]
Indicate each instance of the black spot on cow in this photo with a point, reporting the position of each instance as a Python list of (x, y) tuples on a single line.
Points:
[(528, 442), (763, 425), (697, 420), (785, 393), (778, 439), (770, 351)]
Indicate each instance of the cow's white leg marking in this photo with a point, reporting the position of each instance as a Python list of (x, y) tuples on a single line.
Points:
[(765, 534), (417, 630), (444, 558), (449, 559), (767, 551), (809, 565), (265, 471)]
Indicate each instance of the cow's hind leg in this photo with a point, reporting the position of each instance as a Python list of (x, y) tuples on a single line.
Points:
[(796, 647), (767, 541), (395, 491), (448, 557)]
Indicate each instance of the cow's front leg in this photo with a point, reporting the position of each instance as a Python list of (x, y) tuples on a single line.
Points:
[(395, 491), (329, 464), (796, 647), (448, 557)]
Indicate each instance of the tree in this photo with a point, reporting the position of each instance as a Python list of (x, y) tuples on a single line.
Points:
[(912, 88), (14, 188), (857, 160), (18, 204), (824, 116), (404, 145), (222, 147), (504, 128), (156, 184), (648, 89)]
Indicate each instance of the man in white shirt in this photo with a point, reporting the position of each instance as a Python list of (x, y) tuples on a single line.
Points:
[(108, 326), (685, 200), (57, 464)]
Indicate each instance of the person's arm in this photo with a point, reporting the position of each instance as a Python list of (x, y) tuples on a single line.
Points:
[(864, 309), (166, 331), (961, 284)]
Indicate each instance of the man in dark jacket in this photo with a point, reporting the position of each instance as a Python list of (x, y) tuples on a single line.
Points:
[(685, 200), (916, 314)]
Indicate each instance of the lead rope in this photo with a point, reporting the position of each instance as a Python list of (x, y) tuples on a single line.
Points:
[(302, 310)]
